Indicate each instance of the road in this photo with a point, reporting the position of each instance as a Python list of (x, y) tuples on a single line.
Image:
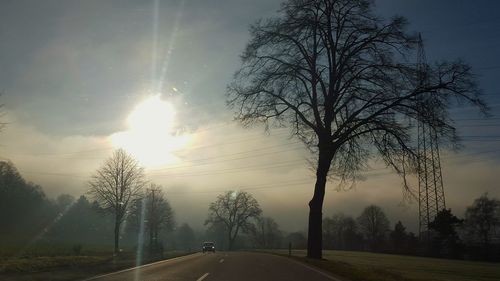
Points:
[(222, 266)]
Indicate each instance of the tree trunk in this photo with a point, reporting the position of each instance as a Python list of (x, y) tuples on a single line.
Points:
[(230, 242), (315, 231), (117, 236), (150, 241)]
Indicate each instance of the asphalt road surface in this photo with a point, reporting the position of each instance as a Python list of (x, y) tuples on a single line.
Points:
[(221, 266)]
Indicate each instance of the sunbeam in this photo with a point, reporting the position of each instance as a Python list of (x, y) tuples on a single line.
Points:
[(158, 81), (140, 239)]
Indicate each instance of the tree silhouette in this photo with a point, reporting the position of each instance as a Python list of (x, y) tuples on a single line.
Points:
[(374, 225), (159, 215), (339, 232), (343, 80), (25, 211), (217, 233), (186, 237), (399, 238), (482, 221), (267, 234), (446, 242), (297, 239), (117, 183), (64, 201), (82, 223), (235, 210)]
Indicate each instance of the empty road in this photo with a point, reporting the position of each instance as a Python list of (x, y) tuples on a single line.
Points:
[(221, 266)]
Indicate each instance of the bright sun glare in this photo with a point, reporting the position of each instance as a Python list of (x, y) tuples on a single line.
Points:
[(150, 137)]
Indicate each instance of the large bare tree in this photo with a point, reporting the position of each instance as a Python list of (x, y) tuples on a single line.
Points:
[(117, 183), (345, 81), (235, 210)]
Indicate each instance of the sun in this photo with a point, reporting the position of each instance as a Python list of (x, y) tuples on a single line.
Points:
[(151, 137)]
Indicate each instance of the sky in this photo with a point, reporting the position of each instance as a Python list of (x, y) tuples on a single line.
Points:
[(78, 78)]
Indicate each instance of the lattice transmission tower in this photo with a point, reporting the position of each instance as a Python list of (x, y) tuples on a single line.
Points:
[(430, 181)]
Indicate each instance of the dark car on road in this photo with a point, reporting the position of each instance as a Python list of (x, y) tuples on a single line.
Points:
[(208, 247)]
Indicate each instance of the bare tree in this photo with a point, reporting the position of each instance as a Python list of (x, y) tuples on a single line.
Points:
[(234, 209), (159, 216), (339, 231), (216, 232), (344, 81), (482, 220), (115, 185), (267, 234), (186, 237), (374, 225)]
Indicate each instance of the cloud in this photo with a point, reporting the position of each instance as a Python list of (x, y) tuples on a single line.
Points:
[(224, 156), (73, 73), (61, 164)]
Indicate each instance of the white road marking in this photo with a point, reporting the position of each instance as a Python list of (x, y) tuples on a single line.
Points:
[(142, 266), (221, 261), (202, 277), (315, 270)]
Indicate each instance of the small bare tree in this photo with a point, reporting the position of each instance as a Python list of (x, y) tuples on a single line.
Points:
[(159, 216), (343, 80), (267, 234), (115, 185), (235, 210), (374, 225), (482, 221)]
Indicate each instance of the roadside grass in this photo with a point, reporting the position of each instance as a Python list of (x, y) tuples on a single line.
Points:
[(38, 264), (363, 266), (70, 267), (53, 249)]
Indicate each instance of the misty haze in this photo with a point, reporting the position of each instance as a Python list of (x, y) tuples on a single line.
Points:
[(249, 140)]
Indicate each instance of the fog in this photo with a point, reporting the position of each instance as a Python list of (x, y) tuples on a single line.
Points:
[(71, 76)]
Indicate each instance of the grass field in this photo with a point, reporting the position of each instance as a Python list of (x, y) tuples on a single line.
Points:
[(62, 268), (362, 266)]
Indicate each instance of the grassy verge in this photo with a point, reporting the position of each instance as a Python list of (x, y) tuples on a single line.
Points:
[(60, 268), (362, 266)]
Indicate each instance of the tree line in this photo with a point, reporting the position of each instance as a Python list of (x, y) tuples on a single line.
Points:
[(28, 216), (122, 209), (476, 236), (235, 220), (114, 213)]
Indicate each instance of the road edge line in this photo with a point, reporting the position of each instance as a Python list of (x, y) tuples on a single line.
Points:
[(203, 277), (140, 266), (329, 276), (313, 268)]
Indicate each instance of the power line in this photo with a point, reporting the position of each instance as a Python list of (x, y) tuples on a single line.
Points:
[(484, 139), (233, 170), (258, 167), (237, 140), (232, 159), (56, 174), (248, 188)]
